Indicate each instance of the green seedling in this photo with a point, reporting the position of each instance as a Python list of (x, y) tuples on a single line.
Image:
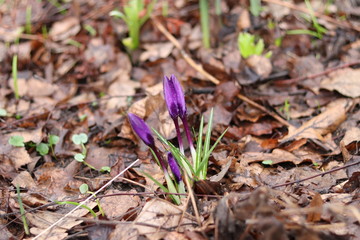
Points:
[(74, 43), (43, 148), (84, 189), (22, 211), (28, 20), (267, 162), (17, 141), (319, 30), (286, 109), (204, 18), (3, 112), (58, 5), (248, 47), (255, 7), (44, 31), (77, 204), (134, 19), (81, 139), (90, 30), (15, 76)]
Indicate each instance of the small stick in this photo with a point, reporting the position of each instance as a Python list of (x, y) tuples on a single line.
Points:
[(314, 176), (207, 75), (327, 71)]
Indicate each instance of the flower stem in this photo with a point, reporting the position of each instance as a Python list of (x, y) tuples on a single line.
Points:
[(189, 138), (159, 157), (178, 133)]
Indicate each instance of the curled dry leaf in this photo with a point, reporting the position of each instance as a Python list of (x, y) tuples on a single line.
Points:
[(345, 81), (318, 127)]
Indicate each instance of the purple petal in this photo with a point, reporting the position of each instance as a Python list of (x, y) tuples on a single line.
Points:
[(174, 97), (175, 169), (141, 129)]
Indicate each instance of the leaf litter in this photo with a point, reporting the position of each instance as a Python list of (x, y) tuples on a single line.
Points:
[(295, 175)]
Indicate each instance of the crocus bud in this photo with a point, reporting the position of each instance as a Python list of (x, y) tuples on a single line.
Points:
[(174, 97), (141, 129), (175, 169)]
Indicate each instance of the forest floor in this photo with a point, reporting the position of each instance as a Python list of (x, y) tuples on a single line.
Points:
[(286, 168)]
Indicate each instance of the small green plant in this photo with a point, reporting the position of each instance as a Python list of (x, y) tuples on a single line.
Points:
[(81, 139), (28, 20), (248, 47), (267, 162), (255, 7), (3, 112), (22, 211), (43, 148), (15, 76), (84, 189), (134, 19), (286, 109), (204, 18), (17, 141), (319, 30), (90, 30)]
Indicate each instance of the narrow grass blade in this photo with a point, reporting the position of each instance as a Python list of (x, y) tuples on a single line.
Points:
[(77, 204), (22, 211)]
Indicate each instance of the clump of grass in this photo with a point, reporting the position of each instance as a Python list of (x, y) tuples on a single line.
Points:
[(134, 19)]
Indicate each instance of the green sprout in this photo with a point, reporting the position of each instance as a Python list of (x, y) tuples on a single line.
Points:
[(81, 139), (248, 47), (286, 109), (320, 31), (134, 20), (204, 18), (17, 141), (28, 20), (43, 148), (90, 29), (84, 189), (3, 112), (15, 76), (22, 211), (255, 7)]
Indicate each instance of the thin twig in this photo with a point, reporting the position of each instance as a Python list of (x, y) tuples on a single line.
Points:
[(314, 176), (211, 78), (327, 71)]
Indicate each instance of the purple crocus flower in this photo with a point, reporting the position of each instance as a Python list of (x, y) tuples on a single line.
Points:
[(175, 169), (144, 133), (175, 101), (141, 129), (174, 97)]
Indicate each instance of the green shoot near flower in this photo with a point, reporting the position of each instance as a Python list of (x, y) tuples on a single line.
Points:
[(133, 19)]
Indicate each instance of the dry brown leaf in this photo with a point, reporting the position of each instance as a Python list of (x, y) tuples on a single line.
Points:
[(61, 30), (159, 213), (277, 156), (24, 180), (42, 220), (351, 135), (316, 203), (318, 127), (156, 51), (115, 207), (345, 81)]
